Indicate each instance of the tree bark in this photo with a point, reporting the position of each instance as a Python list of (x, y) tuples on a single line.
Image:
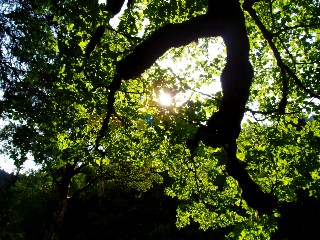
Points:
[(62, 201), (58, 217)]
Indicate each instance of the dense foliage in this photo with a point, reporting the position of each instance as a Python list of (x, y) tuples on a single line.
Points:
[(61, 105)]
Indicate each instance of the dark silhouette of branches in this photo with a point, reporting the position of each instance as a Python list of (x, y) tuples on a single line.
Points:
[(114, 7), (95, 39), (225, 19)]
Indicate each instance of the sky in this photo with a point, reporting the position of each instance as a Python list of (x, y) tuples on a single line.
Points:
[(8, 165)]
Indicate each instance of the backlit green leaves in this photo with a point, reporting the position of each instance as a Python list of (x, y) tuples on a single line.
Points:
[(55, 100)]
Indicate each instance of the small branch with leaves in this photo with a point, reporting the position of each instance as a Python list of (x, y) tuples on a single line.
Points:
[(285, 69)]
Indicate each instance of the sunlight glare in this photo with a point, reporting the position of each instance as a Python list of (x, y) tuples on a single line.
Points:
[(165, 98)]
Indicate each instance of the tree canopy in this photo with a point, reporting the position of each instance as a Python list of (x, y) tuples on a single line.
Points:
[(82, 97)]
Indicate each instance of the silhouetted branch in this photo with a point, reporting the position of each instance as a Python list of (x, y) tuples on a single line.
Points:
[(145, 54), (225, 19), (95, 39), (285, 88), (251, 192), (89, 184), (123, 34), (114, 6), (55, 180)]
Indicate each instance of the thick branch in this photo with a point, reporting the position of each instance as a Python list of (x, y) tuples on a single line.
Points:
[(251, 192), (95, 39), (145, 54), (114, 6), (89, 184), (285, 88), (164, 38), (225, 20)]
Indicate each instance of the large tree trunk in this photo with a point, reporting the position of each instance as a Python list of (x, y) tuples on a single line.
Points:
[(57, 220), (62, 202)]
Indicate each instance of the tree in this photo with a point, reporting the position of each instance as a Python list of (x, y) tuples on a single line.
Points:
[(9, 219), (38, 103), (31, 198), (83, 95)]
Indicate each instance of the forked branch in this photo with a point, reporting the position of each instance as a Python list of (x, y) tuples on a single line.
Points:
[(225, 19)]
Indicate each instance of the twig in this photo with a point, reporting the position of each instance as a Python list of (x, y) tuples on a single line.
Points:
[(286, 28)]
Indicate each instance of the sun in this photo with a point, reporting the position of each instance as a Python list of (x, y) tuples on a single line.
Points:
[(165, 99)]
